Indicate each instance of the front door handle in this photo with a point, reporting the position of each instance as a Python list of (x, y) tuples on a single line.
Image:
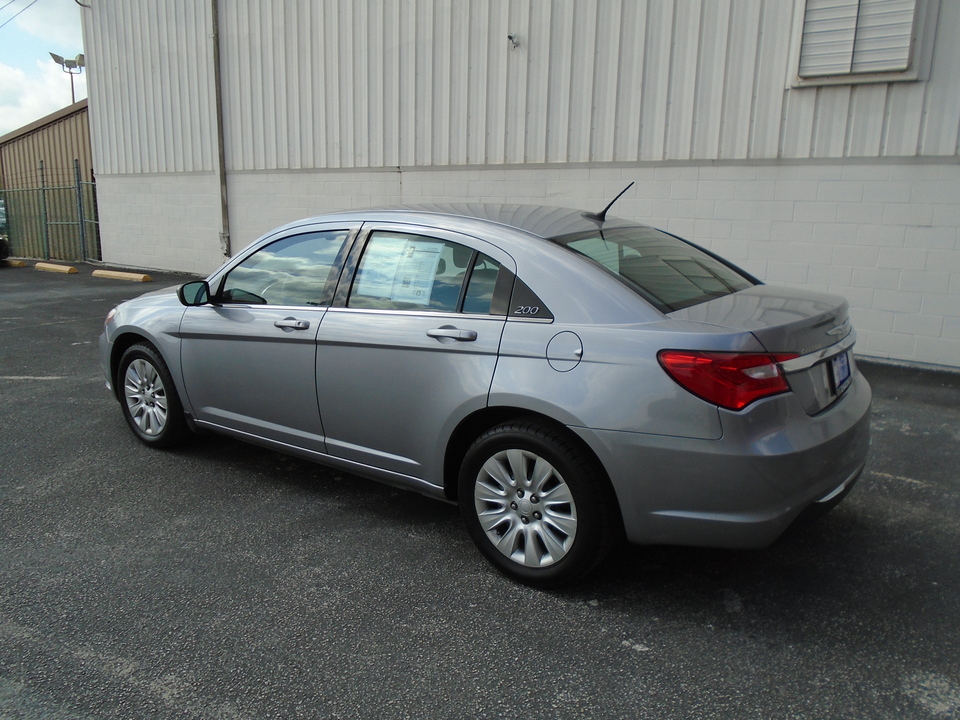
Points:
[(448, 331), (292, 323)]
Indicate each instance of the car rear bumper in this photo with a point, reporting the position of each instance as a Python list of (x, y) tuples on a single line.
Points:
[(743, 490)]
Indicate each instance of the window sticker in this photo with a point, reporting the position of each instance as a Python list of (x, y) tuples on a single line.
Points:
[(401, 269)]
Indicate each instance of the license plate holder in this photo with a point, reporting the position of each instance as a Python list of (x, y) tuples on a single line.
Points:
[(840, 372)]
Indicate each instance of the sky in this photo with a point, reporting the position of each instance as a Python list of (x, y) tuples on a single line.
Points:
[(32, 85)]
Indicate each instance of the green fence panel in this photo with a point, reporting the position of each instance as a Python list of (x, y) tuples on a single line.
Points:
[(45, 223)]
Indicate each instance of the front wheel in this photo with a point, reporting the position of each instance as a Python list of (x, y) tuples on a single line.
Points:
[(535, 503), (149, 398)]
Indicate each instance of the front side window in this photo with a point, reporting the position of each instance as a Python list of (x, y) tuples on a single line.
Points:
[(668, 272), (292, 271), (400, 271)]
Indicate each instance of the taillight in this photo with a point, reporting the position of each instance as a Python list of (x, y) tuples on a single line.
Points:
[(730, 380)]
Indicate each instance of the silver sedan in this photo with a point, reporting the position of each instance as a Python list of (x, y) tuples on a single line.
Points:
[(570, 380)]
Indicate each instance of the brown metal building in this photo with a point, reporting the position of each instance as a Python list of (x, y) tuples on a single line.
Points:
[(47, 187)]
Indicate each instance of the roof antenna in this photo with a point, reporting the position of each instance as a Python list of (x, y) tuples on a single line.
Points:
[(602, 215)]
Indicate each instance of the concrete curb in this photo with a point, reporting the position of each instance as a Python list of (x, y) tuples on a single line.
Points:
[(117, 275), (13, 263), (50, 267)]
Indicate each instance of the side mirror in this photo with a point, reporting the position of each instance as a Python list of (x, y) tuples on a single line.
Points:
[(194, 293)]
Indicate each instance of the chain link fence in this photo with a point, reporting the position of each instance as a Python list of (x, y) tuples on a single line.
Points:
[(52, 222)]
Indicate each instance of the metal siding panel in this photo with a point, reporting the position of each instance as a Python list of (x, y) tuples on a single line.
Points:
[(630, 87), (742, 49), (165, 22), (582, 81), (712, 79), (389, 109), (830, 122), (496, 111), (796, 138), (770, 71), (681, 107), (460, 59), (865, 129), (941, 108), (332, 97), (130, 72), (476, 83), (374, 83), (318, 84), (656, 79), (57, 144), (146, 60), (302, 114), (359, 84), (607, 81), (278, 100), (408, 83), (373, 41), (537, 49), (423, 83), (301, 110), (518, 68), (154, 154), (904, 113), (441, 62), (561, 68)]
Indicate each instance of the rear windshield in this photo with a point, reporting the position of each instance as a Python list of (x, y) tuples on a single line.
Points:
[(668, 272)]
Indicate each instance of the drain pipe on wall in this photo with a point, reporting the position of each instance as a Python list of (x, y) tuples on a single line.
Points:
[(221, 152)]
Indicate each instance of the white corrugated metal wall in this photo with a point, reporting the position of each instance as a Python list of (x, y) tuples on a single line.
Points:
[(328, 104), (152, 109), (387, 83)]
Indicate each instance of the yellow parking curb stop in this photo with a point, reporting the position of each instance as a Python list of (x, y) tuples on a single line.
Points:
[(14, 263), (50, 267), (116, 275)]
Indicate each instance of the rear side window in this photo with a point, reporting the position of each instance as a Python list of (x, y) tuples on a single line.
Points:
[(413, 272), (668, 272)]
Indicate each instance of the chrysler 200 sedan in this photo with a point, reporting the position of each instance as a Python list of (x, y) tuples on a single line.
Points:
[(567, 379)]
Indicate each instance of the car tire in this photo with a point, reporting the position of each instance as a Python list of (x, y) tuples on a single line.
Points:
[(535, 503), (149, 398)]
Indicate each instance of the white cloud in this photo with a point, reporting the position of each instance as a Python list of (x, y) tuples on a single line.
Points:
[(25, 98), (32, 85), (57, 22)]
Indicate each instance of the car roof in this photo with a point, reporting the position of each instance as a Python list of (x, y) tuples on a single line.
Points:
[(525, 234), (543, 221)]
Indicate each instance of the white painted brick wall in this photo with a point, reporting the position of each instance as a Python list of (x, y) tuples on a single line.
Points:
[(885, 236), (163, 222)]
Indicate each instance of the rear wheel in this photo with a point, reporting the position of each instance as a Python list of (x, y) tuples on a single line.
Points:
[(535, 504), (149, 398)]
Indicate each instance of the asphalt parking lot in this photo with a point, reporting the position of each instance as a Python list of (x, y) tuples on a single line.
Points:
[(222, 580)]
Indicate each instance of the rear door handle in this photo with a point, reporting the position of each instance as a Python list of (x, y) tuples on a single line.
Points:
[(448, 331), (292, 323)]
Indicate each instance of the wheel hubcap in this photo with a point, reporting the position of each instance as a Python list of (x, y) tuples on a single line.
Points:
[(146, 397), (526, 508)]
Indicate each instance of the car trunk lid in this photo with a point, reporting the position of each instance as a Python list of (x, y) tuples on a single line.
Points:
[(815, 326)]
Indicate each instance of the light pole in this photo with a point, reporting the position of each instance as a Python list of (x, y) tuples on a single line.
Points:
[(71, 67)]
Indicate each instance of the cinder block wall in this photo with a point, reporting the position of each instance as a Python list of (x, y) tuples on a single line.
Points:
[(885, 236), (160, 221)]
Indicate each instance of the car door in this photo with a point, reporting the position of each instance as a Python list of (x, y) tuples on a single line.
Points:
[(410, 346), (249, 357)]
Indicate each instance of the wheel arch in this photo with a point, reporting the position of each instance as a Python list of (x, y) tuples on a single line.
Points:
[(126, 339), (475, 424), (121, 343)]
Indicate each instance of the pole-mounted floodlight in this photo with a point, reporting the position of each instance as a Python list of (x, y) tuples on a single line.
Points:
[(71, 67)]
